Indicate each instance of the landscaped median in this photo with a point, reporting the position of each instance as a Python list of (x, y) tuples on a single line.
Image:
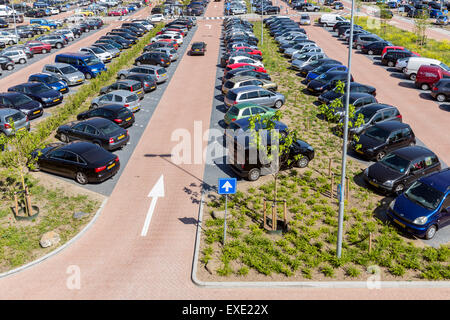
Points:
[(307, 249), (57, 210)]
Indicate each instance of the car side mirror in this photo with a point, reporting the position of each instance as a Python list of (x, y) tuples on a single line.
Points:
[(444, 210)]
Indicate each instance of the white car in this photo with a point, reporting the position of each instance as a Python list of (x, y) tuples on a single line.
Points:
[(243, 59), (145, 23), (53, 10), (76, 18), (8, 38), (178, 38), (68, 33), (157, 18), (103, 55)]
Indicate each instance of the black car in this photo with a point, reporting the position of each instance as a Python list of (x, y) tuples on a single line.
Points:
[(391, 56), (111, 42), (441, 90), (6, 63), (124, 35), (21, 102), (375, 48), (331, 95), (315, 64), (156, 45), (38, 13), (245, 72), (56, 41), (198, 48), (252, 171), (83, 161), (153, 58), (383, 138), (327, 81), (340, 23), (94, 24), (3, 23), (400, 168), (148, 82), (77, 32), (124, 42), (113, 112), (40, 92), (100, 131), (357, 99), (133, 30)]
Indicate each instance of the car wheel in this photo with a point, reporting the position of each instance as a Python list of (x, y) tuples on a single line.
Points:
[(44, 51), (81, 178), (122, 76), (10, 42), (87, 75), (9, 67), (399, 188), (94, 106), (370, 52), (424, 86), (64, 138), (303, 162), (380, 155), (22, 61), (278, 104), (390, 64), (412, 76), (431, 231), (58, 45), (358, 47), (254, 174), (36, 167), (138, 63), (440, 97)]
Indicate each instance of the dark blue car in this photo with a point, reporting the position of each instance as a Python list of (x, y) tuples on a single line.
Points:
[(21, 102), (324, 69), (40, 92), (424, 207), (51, 81)]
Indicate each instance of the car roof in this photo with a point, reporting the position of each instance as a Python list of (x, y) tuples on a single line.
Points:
[(41, 75), (128, 81), (413, 152), (79, 147), (245, 89), (112, 107), (391, 125), (357, 95), (377, 106), (122, 92), (246, 105), (439, 180), (242, 78), (58, 65), (95, 121), (7, 111), (28, 84)]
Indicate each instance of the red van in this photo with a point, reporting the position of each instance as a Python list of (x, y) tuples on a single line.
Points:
[(427, 76)]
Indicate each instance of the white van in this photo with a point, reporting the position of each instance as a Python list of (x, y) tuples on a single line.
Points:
[(330, 19), (414, 64)]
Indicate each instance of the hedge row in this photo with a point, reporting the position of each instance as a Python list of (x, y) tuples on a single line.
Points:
[(74, 103)]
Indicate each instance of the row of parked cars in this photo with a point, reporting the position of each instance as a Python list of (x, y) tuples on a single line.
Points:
[(428, 74), (400, 166), (248, 90), (85, 153)]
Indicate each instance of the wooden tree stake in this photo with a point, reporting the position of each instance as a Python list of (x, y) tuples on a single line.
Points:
[(332, 186), (265, 217), (329, 167), (285, 214)]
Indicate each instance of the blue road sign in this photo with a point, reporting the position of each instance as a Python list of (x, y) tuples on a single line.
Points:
[(227, 185)]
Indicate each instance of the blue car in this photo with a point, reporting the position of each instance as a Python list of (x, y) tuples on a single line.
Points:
[(392, 4), (88, 64), (424, 207), (39, 92), (434, 13), (51, 81), (131, 8), (313, 74)]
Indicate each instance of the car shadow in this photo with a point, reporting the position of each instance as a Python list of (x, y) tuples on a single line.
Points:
[(391, 69), (426, 96), (378, 63), (398, 76), (445, 107), (405, 84), (219, 97), (222, 124), (298, 74), (221, 108)]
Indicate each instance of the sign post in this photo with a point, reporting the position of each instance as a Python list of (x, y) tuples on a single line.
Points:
[(226, 186)]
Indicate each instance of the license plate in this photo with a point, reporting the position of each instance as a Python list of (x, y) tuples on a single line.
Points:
[(21, 129), (163, 75), (63, 89), (399, 223), (79, 80), (36, 112), (196, 50), (135, 108), (373, 183), (310, 89), (359, 151), (153, 87), (56, 100), (128, 119), (139, 92), (121, 137), (111, 165)]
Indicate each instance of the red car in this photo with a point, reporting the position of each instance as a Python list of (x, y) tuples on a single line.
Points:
[(171, 29), (243, 65), (173, 42), (38, 46), (396, 48), (114, 13), (248, 50)]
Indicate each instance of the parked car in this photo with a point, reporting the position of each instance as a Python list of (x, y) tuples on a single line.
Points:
[(83, 161), (401, 168), (113, 112), (50, 80), (256, 95), (361, 40), (113, 51), (375, 113), (19, 101), (414, 63), (441, 90), (40, 92), (56, 41), (383, 138), (245, 72), (128, 85), (331, 95), (125, 98), (87, 64), (375, 48), (246, 110), (159, 73), (391, 57), (65, 72), (6, 63), (242, 81), (424, 207), (100, 131), (18, 56), (305, 19), (357, 100), (323, 69), (327, 81), (101, 54), (147, 81), (153, 58), (198, 48), (11, 116), (427, 76), (39, 46)]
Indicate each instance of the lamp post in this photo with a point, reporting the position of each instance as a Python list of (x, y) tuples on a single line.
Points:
[(15, 25), (344, 146), (262, 22)]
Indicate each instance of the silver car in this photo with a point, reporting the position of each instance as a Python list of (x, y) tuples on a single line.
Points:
[(306, 58), (127, 85), (125, 98), (8, 116), (159, 73), (300, 52), (171, 52), (65, 72), (362, 39), (108, 48), (254, 94), (18, 56), (305, 20), (289, 52)]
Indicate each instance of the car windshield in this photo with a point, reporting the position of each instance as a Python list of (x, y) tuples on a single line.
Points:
[(39, 88), (21, 99), (367, 114), (108, 128), (377, 133), (93, 154), (424, 195), (131, 98), (68, 70), (233, 111), (50, 79), (97, 50), (324, 68), (325, 77), (14, 117), (231, 96), (395, 162), (445, 67), (91, 60)]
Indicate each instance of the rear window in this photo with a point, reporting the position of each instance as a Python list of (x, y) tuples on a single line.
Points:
[(131, 98), (109, 128), (137, 86), (231, 96), (161, 71), (14, 117), (124, 112), (229, 84), (94, 154), (234, 110)]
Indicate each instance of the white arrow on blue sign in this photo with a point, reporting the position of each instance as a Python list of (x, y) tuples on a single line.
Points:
[(227, 185)]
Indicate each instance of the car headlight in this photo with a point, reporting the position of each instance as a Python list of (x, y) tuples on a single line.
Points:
[(370, 150), (392, 204), (421, 220), (388, 183)]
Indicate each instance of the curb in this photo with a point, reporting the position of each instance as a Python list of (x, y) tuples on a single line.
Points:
[(60, 248)]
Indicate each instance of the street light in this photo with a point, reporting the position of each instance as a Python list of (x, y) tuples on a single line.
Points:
[(344, 146), (262, 22)]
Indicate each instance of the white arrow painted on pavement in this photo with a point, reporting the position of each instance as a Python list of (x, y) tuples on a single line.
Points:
[(208, 25), (227, 186), (156, 192)]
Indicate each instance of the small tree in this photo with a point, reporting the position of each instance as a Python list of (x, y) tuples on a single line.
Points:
[(17, 153), (385, 16), (420, 26)]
